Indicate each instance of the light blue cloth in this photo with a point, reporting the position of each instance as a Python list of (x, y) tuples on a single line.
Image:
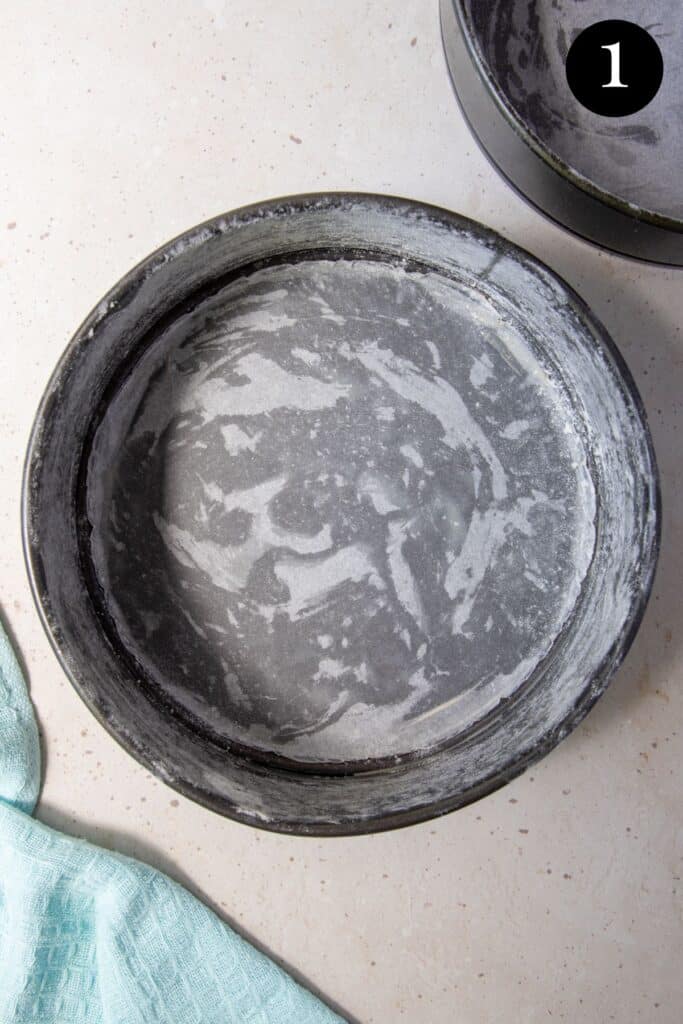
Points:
[(91, 936)]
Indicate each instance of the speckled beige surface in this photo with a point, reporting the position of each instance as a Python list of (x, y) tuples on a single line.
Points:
[(560, 896)]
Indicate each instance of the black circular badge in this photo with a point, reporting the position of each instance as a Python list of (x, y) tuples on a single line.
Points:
[(614, 68)]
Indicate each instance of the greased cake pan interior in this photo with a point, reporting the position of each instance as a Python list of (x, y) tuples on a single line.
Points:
[(340, 510)]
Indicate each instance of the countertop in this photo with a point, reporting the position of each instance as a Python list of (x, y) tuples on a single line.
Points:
[(560, 895)]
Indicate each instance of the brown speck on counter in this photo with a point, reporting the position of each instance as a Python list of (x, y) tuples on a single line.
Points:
[(524, 831), (296, 139), (11, 225), (175, 803), (413, 41)]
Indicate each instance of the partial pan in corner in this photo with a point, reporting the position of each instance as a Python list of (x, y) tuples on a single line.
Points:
[(340, 510), (613, 181)]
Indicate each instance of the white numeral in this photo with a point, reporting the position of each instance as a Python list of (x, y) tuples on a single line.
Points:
[(615, 81)]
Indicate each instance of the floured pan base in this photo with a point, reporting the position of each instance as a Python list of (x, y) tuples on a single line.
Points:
[(340, 510)]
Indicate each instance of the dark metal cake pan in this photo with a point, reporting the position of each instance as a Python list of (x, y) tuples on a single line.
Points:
[(613, 181), (340, 511)]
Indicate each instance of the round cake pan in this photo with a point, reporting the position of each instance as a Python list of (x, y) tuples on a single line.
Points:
[(340, 511), (613, 181)]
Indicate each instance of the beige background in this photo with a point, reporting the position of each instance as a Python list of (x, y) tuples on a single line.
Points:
[(120, 125)]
